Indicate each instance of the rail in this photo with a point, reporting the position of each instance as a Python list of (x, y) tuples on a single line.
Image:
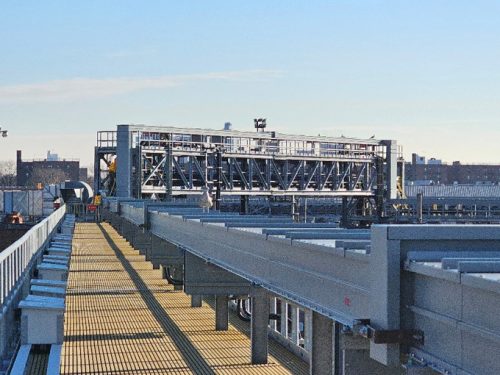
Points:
[(16, 258), (276, 147)]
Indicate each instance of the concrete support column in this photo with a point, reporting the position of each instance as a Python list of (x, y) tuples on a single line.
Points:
[(284, 318), (178, 275), (163, 270), (321, 362), (195, 300), (221, 313), (308, 331), (295, 324), (258, 330)]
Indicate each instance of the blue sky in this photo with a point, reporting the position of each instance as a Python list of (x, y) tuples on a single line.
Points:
[(422, 72)]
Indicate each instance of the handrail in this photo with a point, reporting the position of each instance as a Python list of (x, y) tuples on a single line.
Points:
[(16, 258)]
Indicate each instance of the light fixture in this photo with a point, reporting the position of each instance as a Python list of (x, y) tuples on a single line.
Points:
[(260, 123)]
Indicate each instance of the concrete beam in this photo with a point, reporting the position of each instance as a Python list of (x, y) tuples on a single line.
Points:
[(164, 253), (142, 241), (207, 279)]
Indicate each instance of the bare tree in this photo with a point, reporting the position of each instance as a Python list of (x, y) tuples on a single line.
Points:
[(8, 173), (47, 176)]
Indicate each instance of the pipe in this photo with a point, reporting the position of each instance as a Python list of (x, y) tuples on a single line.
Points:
[(170, 279), (243, 314)]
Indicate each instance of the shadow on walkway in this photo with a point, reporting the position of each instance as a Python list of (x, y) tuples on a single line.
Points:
[(189, 353)]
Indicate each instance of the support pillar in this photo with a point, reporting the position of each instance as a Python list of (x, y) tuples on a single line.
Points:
[(295, 324), (177, 274), (308, 335), (321, 362), (221, 313), (284, 318), (195, 300), (258, 331)]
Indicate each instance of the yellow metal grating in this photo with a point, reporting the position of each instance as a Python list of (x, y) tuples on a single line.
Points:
[(38, 360), (123, 318)]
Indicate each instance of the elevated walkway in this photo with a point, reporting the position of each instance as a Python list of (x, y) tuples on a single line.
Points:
[(123, 318)]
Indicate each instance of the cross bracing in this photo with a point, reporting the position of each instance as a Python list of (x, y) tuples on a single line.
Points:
[(164, 162)]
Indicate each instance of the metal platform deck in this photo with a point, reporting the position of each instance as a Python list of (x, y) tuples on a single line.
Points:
[(123, 318)]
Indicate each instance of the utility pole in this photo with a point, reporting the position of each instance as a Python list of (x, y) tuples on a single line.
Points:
[(169, 173), (218, 181)]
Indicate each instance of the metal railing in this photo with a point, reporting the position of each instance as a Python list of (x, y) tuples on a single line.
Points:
[(106, 138), (275, 147), (17, 257)]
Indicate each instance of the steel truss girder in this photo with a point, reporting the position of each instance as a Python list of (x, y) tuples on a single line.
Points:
[(263, 176)]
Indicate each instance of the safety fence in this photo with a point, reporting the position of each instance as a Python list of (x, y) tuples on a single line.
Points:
[(16, 259)]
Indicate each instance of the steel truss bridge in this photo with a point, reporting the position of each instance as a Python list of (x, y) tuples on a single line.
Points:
[(162, 162)]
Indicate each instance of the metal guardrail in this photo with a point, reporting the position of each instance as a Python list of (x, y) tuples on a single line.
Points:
[(16, 258)]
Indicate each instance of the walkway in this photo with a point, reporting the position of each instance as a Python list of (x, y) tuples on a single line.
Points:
[(123, 318)]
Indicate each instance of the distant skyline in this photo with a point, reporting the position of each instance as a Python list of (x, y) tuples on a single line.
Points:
[(424, 73)]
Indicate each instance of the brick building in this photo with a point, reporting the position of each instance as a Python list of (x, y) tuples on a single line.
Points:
[(48, 171), (435, 172)]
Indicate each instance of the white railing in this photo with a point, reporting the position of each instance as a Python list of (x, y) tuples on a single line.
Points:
[(17, 257)]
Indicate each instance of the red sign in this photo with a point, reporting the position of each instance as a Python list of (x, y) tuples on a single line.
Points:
[(91, 207)]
